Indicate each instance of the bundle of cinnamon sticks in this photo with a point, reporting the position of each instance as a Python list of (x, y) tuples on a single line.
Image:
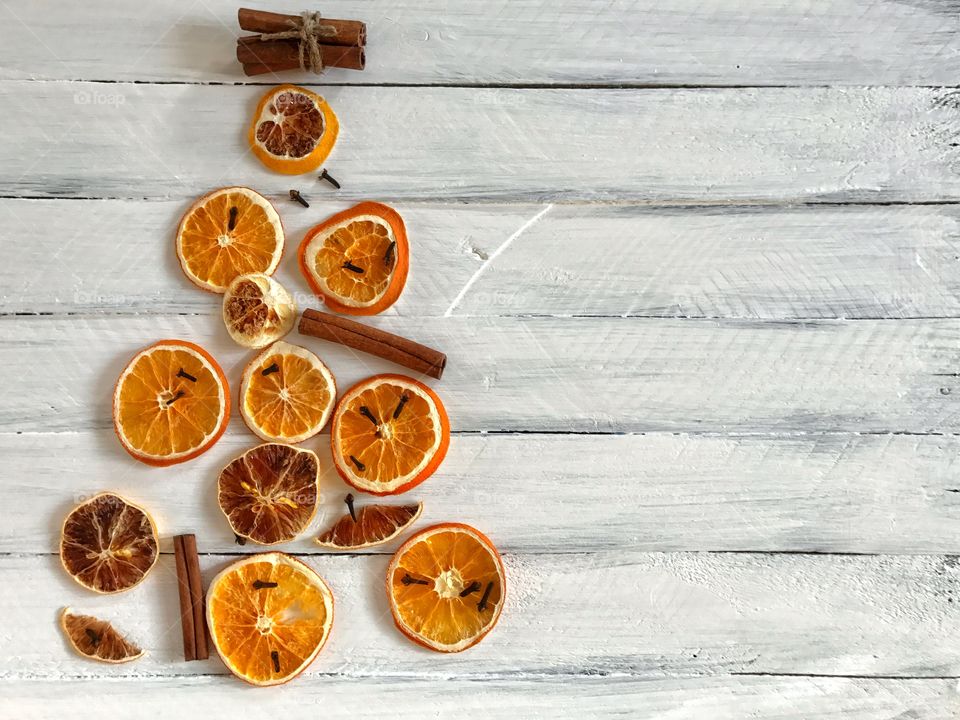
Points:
[(341, 43)]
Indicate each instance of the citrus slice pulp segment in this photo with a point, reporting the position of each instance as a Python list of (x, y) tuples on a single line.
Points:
[(108, 544), (293, 130), (171, 403), (446, 587), (257, 310), (229, 232), (97, 639), (357, 260), (369, 526), (269, 616), (270, 493), (389, 434), (286, 394)]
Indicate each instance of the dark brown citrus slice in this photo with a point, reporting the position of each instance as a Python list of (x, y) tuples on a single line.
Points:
[(369, 525), (97, 639)]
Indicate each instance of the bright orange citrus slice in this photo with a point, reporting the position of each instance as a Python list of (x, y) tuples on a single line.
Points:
[(286, 394), (369, 526), (270, 493), (389, 434), (293, 130), (229, 232), (108, 544), (171, 403), (446, 587), (258, 310), (269, 616), (357, 260)]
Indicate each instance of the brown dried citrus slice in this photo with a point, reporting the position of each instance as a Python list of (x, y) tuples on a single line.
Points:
[(293, 130), (286, 394), (97, 639), (229, 232), (258, 310), (269, 616), (446, 587), (108, 544), (368, 526), (270, 493)]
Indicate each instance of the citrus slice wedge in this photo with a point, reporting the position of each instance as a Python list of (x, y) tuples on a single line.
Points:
[(270, 493), (171, 403), (446, 587), (293, 130), (389, 434), (97, 639), (286, 394), (108, 544), (357, 260), (269, 616), (369, 526), (229, 232), (258, 310)]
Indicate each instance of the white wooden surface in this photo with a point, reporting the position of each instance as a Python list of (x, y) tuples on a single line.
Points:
[(695, 265)]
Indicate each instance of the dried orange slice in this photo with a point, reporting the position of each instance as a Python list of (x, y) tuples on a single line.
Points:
[(293, 130), (286, 394), (108, 544), (368, 526), (389, 434), (171, 403), (446, 587), (270, 493), (357, 260), (97, 639), (229, 232), (258, 310), (269, 616)]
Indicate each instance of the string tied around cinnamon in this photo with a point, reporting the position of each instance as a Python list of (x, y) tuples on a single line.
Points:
[(308, 30)]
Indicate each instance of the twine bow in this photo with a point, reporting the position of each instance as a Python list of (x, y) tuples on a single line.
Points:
[(308, 31)]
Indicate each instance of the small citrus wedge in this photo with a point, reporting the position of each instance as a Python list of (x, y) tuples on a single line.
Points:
[(258, 310), (269, 616), (270, 493), (171, 403), (389, 434), (286, 394), (293, 130), (446, 587), (97, 639), (108, 544), (229, 232), (357, 260), (369, 526)]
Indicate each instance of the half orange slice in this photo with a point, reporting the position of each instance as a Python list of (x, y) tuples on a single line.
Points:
[(229, 232), (446, 587), (293, 130), (269, 616), (389, 434), (171, 403), (97, 639), (357, 260), (369, 525)]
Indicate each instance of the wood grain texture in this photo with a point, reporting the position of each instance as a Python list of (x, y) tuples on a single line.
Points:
[(554, 374), (616, 613), (509, 41), (819, 493), (624, 146), (767, 263)]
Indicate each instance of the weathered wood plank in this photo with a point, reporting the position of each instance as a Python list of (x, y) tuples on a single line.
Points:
[(619, 613), (821, 493), (509, 41), (714, 146), (770, 263), (554, 374)]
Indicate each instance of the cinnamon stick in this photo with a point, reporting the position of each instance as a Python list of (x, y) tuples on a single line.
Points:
[(194, 621), (277, 55), (186, 602), (334, 32), (388, 346)]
